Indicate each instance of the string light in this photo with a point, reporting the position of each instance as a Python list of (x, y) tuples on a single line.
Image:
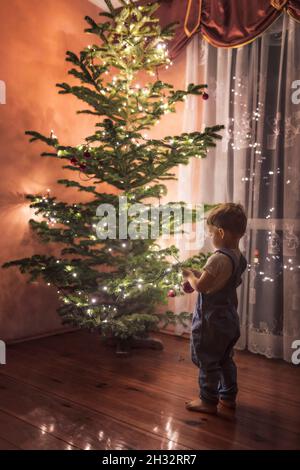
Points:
[(52, 135)]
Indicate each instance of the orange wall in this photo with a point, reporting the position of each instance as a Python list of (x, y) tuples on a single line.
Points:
[(34, 36)]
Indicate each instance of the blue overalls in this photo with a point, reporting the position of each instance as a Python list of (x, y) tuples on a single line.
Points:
[(215, 330)]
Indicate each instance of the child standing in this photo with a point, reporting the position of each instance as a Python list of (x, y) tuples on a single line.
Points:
[(215, 324)]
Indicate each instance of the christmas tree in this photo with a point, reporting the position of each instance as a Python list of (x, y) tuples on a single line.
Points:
[(106, 280)]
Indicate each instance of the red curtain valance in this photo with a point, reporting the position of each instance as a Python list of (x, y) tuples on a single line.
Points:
[(224, 23)]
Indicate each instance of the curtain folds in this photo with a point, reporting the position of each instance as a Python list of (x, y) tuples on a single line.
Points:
[(222, 23), (253, 92)]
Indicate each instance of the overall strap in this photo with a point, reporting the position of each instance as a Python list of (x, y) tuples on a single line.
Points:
[(231, 255)]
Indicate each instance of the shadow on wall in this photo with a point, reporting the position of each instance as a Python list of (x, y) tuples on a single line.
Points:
[(33, 42)]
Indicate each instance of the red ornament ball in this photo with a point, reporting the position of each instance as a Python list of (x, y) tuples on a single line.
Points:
[(87, 154), (82, 166), (171, 293), (205, 96), (186, 286), (74, 161)]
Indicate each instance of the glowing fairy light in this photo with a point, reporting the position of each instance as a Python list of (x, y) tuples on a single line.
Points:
[(52, 135)]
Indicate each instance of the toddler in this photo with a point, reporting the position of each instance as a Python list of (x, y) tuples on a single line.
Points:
[(215, 323)]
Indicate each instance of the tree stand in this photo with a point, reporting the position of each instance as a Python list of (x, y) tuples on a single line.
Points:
[(124, 346)]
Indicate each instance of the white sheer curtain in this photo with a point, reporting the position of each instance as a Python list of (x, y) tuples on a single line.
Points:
[(257, 163)]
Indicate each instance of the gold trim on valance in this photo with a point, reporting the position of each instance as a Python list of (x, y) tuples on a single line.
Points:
[(278, 4), (187, 17)]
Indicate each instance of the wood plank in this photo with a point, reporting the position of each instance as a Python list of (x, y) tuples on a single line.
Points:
[(147, 391), (150, 411), (80, 345), (20, 434), (6, 445), (256, 422), (111, 402), (160, 379), (73, 423)]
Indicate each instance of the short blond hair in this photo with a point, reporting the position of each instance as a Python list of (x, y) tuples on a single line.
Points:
[(229, 216)]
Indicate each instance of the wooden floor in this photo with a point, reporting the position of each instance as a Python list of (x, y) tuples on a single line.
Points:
[(72, 392)]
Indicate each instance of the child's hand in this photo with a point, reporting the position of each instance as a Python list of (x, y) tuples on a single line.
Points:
[(196, 273), (186, 274), (190, 280)]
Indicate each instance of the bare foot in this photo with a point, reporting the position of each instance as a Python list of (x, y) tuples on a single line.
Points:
[(227, 409), (201, 407), (227, 404)]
